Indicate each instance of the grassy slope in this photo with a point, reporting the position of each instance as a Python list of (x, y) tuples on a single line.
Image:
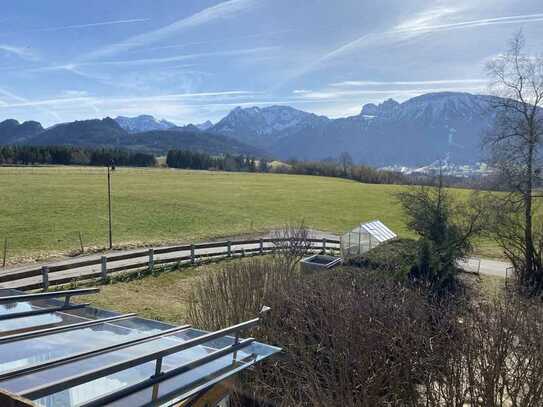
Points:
[(42, 209), (163, 297)]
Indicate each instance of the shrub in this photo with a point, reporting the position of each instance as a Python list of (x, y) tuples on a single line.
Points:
[(446, 227), (364, 339), (396, 258), (349, 338)]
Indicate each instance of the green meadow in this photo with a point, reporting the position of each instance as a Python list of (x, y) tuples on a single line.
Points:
[(44, 209)]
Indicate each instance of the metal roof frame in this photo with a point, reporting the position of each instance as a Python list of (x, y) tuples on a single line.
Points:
[(198, 383), (42, 311), (62, 328), (48, 295), (67, 295), (88, 354), (157, 356), (163, 376)]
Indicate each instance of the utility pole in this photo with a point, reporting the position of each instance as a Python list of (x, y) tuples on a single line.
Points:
[(109, 204)]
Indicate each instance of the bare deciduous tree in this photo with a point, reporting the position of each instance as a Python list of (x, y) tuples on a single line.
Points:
[(515, 147), (346, 162)]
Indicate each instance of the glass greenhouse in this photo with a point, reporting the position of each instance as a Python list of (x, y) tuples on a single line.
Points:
[(365, 237)]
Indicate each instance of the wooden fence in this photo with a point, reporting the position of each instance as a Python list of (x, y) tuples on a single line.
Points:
[(41, 277)]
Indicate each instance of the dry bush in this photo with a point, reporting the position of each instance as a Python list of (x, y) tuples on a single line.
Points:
[(292, 245), (238, 291), (355, 338), (349, 340), (497, 360), (235, 293)]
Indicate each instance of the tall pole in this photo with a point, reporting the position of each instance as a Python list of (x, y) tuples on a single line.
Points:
[(109, 204)]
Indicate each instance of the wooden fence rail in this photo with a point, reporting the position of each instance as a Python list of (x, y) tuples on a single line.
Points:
[(102, 267)]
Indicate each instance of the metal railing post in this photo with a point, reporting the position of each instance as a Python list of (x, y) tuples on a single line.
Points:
[(45, 277), (103, 270), (192, 255), (324, 245), (158, 366), (261, 246), (229, 248)]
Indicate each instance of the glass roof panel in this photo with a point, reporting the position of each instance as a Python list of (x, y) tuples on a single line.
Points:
[(42, 349)]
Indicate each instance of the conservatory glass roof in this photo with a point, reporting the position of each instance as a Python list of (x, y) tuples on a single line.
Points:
[(60, 354)]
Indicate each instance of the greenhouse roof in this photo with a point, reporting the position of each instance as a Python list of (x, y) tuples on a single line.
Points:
[(377, 229), (54, 353)]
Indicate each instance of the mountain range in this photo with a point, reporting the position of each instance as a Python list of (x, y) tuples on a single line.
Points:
[(147, 122), (423, 129), (107, 133), (420, 130)]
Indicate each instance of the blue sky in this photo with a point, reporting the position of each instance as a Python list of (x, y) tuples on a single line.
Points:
[(192, 60)]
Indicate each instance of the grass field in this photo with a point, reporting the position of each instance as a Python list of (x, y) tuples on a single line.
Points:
[(163, 297), (43, 209)]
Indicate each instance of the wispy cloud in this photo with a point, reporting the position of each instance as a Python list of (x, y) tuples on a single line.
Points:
[(401, 93), (344, 84), (85, 25), (71, 93), (22, 52), (424, 27), (225, 10), (76, 68), (115, 101), (425, 23), (178, 58), (422, 23), (20, 99), (266, 34)]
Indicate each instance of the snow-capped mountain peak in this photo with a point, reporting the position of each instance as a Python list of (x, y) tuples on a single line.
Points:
[(205, 125), (143, 123), (262, 126)]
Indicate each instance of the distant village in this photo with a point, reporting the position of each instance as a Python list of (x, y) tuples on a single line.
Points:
[(479, 169)]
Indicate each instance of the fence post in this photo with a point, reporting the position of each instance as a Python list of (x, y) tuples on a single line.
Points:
[(261, 246), (5, 252), (508, 272), (324, 245), (45, 277), (81, 243), (192, 256), (229, 248), (151, 259), (103, 270)]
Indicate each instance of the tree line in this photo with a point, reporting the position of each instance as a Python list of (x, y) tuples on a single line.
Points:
[(194, 160), (341, 168), (65, 155)]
